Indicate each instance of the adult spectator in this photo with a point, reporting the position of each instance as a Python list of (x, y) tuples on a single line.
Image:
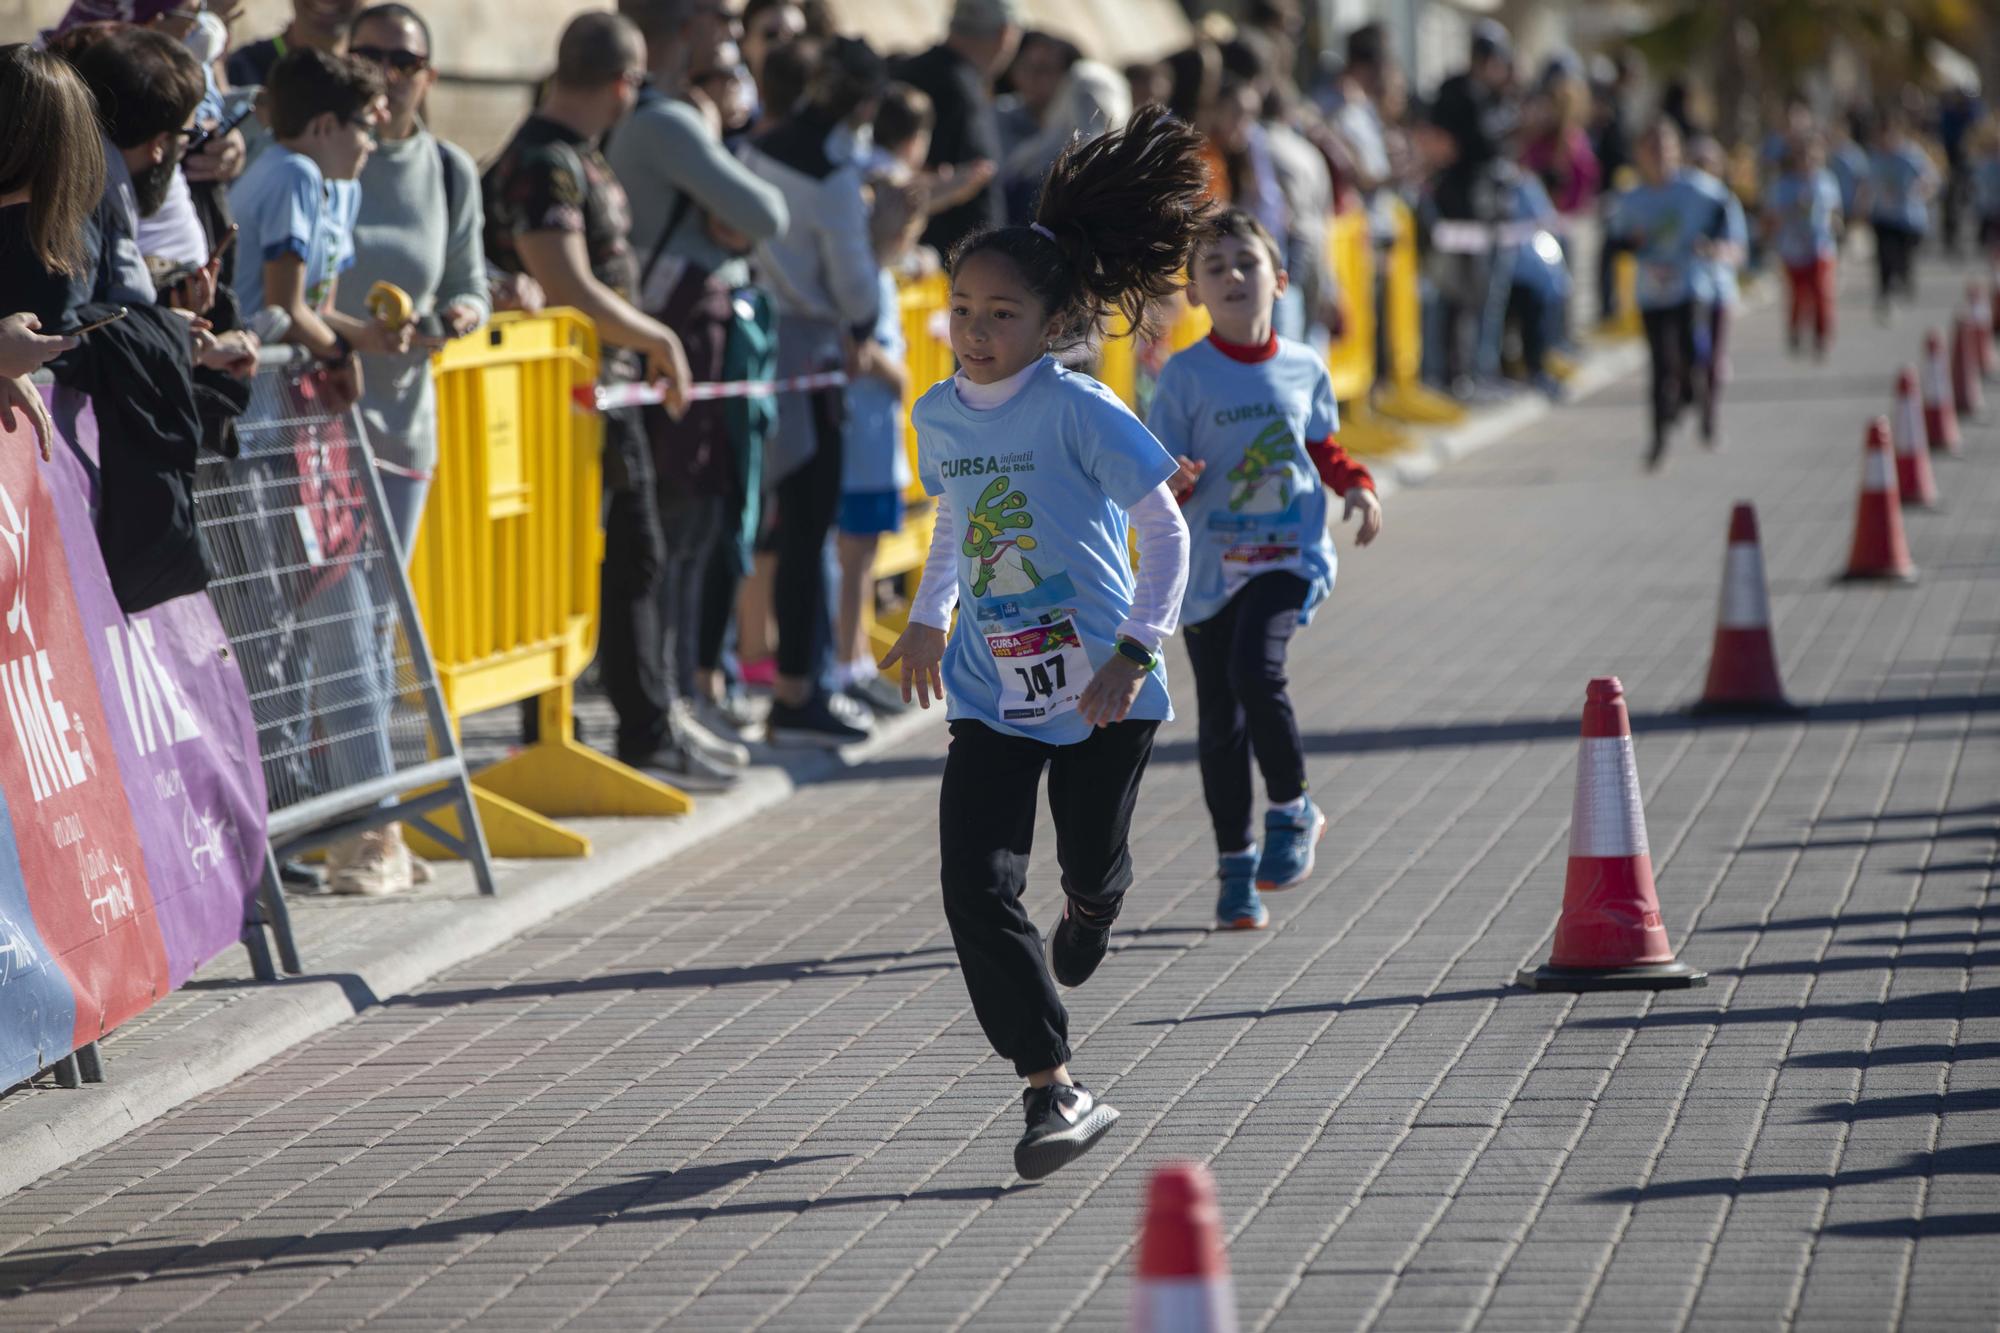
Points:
[(1959, 109), (1083, 100), (1611, 143), (51, 176), (1557, 145), (555, 211), (419, 229), (1034, 78), (822, 272), (321, 25), (768, 25), (696, 212), (957, 74), (1475, 110)]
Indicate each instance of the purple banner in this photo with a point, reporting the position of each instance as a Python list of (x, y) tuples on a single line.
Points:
[(180, 722)]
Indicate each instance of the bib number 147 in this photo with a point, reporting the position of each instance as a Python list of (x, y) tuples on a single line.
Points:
[(1035, 668), (1043, 679)]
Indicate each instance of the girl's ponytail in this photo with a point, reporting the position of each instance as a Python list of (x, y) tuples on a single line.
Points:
[(1118, 218)]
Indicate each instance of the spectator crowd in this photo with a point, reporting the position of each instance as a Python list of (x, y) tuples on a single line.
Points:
[(739, 194)]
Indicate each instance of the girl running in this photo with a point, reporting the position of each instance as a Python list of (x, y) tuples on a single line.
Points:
[(1802, 217), (1039, 474), (1251, 417)]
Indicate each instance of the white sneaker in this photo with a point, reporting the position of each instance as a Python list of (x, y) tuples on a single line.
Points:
[(374, 864), (690, 730)]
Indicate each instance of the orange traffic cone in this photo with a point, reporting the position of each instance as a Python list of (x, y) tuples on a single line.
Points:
[(1940, 422), (1183, 1284), (1609, 936), (1743, 666), (1976, 311), (1914, 482), (1968, 392), (1879, 551)]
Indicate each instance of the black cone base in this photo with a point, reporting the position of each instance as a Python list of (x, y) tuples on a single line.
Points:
[(1640, 976)]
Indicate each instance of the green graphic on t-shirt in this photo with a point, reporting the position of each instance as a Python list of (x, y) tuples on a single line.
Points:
[(1000, 511), (1268, 459)]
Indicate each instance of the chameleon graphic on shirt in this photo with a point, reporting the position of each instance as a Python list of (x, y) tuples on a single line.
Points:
[(1004, 566), (1267, 463)]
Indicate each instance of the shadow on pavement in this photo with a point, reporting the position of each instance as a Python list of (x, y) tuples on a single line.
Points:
[(1848, 919), (1934, 1227), (1933, 1053), (1980, 1002), (1335, 1006), (1979, 1159), (1876, 963), (1913, 1104), (650, 1198)]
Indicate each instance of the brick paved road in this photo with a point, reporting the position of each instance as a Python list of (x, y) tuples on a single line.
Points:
[(746, 1091)]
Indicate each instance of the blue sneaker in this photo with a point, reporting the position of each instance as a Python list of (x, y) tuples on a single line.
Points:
[(1291, 842), (1237, 906)]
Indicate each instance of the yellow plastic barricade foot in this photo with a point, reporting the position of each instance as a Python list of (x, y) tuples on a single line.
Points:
[(511, 830), (1365, 434), (559, 776), (1418, 404)]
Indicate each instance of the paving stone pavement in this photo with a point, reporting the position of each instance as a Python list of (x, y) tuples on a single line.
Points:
[(746, 1090)]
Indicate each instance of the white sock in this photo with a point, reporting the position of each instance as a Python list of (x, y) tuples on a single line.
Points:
[(1297, 807), (1240, 851)]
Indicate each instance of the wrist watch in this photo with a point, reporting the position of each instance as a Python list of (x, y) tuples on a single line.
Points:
[(1133, 651), (343, 353)]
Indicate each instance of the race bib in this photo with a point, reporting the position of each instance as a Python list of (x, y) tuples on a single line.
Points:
[(1042, 670), (1245, 561), (1658, 281)]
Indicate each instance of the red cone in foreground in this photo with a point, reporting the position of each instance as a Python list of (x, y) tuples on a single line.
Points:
[(1610, 936), (1743, 666), (1968, 390), (1879, 551), (1940, 422), (1914, 482), (1183, 1284)]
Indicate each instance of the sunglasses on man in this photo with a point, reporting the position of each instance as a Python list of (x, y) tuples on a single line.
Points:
[(404, 63)]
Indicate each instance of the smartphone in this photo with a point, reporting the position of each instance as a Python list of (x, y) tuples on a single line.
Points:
[(79, 331), (201, 141)]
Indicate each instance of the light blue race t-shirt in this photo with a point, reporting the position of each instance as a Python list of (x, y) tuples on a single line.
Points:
[(1803, 206), (1895, 187), (286, 207), (1849, 165), (1040, 486), (1717, 276), (872, 456), (1663, 223), (1259, 506)]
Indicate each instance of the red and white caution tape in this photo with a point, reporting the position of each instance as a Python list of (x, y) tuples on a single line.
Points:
[(603, 398), (1458, 237)]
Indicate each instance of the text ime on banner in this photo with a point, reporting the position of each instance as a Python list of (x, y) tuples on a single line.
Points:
[(78, 853)]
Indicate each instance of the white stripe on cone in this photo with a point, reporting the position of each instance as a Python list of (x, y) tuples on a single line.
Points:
[(1745, 602), (1875, 472), (1937, 384), (1908, 427), (1607, 818), (1183, 1305)]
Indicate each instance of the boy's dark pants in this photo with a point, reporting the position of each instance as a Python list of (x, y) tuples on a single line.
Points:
[(1671, 336), (986, 825), (1239, 682)]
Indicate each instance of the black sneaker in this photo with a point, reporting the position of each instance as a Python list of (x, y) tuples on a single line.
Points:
[(878, 696), (1076, 946), (682, 767), (1064, 1123), (811, 723)]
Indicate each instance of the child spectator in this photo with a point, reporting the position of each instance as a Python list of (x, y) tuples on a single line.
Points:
[(875, 468), (1802, 215), (1251, 418), (297, 206)]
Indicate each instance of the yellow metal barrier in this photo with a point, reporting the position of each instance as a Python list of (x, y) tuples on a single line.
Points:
[(1350, 358), (1626, 323), (923, 302), (1404, 395), (506, 574)]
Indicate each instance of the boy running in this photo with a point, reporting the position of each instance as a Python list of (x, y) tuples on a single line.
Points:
[(1251, 417)]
